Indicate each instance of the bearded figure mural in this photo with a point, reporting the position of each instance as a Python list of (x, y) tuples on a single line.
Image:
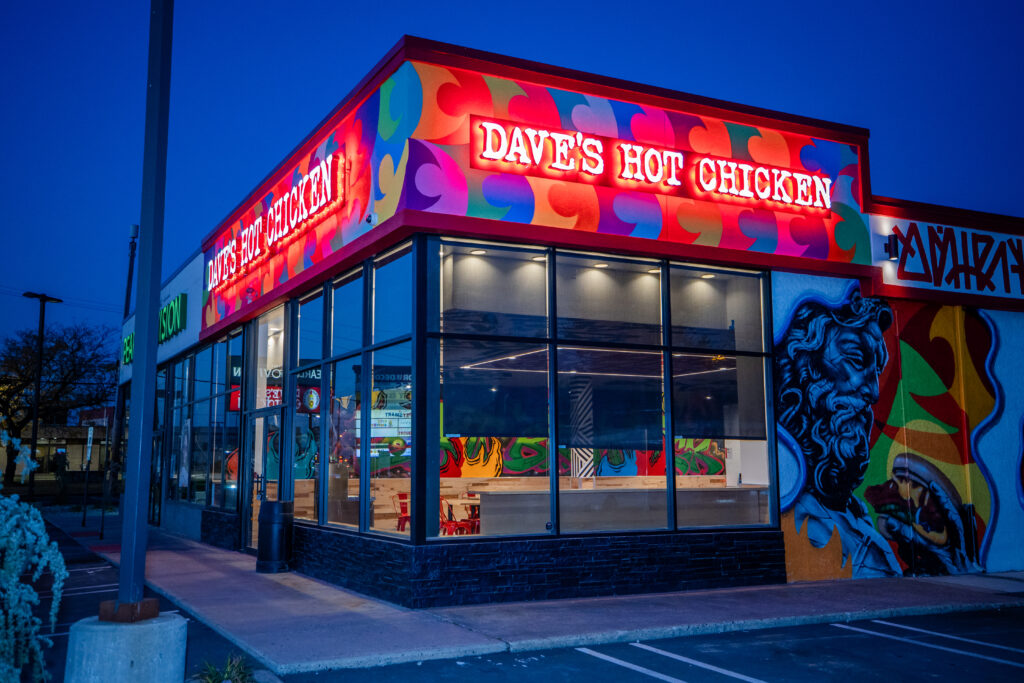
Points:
[(827, 366)]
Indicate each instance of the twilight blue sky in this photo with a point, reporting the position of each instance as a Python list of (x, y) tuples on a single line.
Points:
[(937, 83)]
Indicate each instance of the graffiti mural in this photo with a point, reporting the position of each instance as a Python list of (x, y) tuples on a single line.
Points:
[(479, 456), (828, 362), (886, 411)]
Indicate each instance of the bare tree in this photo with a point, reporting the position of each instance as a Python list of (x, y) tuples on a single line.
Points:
[(79, 371)]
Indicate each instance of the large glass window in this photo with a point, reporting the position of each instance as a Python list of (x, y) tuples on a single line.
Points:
[(270, 359), (311, 330), (203, 365), (199, 465), (390, 462), (392, 295), (347, 313), (486, 289), (615, 363), (610, 439), (306, 443), (607, 300), (495, 458), (718, 398), (344, 456), (717, 309)]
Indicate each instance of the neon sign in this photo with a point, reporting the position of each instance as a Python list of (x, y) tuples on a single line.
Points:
[(280, 222), (574, 156), (507, 147), (766, 183)]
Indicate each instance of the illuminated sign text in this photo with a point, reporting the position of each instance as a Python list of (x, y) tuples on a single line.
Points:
[(579, 157), (283, 219)]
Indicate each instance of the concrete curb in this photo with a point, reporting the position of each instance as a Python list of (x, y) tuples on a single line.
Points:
[(657, 633)]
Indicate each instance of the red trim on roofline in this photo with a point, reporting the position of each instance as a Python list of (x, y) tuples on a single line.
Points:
[(944, 215), (421, 49)]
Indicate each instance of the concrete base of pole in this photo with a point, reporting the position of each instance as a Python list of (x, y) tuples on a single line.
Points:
[(150, 651)]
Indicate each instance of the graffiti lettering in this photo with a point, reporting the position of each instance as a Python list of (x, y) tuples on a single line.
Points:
[(960, 259)]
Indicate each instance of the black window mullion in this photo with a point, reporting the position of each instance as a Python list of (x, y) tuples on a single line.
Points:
[(418, 470), (667, 387), (553, 393), (325, 405), (365, 401)]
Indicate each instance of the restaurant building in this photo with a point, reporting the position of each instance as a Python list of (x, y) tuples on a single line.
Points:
[(504, 331)]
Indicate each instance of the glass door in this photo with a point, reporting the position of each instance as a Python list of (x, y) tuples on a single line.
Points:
[(264, 458)]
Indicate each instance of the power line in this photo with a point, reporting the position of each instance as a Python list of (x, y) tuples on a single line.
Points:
[(70, 301)]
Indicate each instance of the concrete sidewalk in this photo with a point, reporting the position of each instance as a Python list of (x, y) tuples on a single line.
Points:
[(292, 623)]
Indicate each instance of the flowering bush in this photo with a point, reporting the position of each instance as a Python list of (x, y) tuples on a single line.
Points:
[(26, 551)]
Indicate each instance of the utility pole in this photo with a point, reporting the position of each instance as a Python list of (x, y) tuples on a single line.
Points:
[(43, 298)]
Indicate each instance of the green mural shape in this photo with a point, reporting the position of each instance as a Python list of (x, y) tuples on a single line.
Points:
[(918, 379)]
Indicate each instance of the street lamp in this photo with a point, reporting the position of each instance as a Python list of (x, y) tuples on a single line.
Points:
[(115, 439), (43, 298)]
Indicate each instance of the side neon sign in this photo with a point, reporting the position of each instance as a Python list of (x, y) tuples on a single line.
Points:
[(279, 221), (508, 147)]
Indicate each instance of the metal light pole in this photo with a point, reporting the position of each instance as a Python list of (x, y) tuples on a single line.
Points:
[(114, 436), (43, 298), (130, 605)]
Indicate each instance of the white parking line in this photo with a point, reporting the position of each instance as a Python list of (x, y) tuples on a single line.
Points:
[(627, 665), (946, 635), (709, 667), (929, 645)]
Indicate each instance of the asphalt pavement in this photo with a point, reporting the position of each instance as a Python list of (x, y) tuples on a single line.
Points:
[(975, 646), (92, 579), (292, 624)]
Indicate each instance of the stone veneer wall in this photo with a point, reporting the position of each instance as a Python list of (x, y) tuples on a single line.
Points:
[(478, 571), (221, 529)]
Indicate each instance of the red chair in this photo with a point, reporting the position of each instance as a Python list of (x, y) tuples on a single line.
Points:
[(401, 503), (451, 526)]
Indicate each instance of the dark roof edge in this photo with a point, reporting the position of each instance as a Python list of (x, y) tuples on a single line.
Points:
[(945, 215), (425, 49)]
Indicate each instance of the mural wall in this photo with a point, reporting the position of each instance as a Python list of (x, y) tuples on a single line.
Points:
[(415, 143), (444, 169), (899, 449), (476, 456)]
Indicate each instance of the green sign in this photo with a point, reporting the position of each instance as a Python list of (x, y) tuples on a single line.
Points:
[(172, 318), (128, 349)]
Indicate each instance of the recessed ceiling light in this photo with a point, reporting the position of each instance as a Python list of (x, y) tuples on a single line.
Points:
[(707, 276), (654, 271), (478, 252), (708, 397), (600, 265), (494, 388), (540, 258)]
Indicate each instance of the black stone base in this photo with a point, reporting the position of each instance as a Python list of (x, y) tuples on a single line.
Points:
[(458, 573), (221, 529)]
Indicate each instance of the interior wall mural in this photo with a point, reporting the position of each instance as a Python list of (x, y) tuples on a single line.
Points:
[(892, 427)]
